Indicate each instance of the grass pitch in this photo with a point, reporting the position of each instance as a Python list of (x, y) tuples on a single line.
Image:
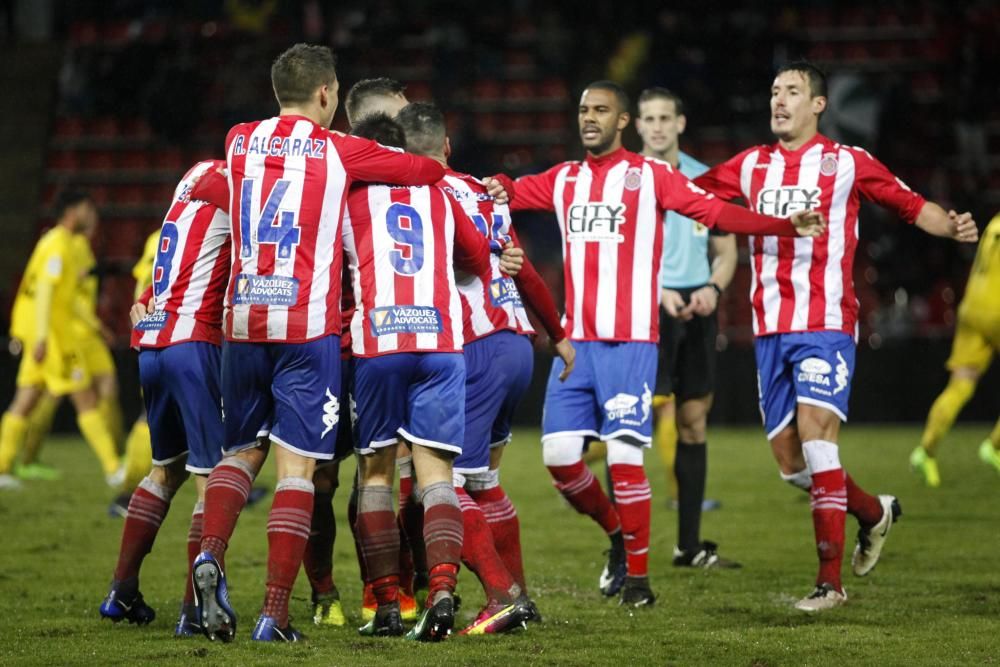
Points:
[(933, 599)]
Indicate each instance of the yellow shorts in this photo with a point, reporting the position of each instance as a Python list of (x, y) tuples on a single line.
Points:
[(96, 356), (61, 372), (973, 347)]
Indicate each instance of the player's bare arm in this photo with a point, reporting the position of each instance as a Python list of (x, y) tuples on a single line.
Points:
[(949, 224), (495, 188), (511, 259), (565, 351)]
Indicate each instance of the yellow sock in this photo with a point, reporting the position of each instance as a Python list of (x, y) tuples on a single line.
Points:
[(138, 455), (995, 436), (12, 431), (666, 442), (39, 425), (95, 431), (944, 411), (111, 410)]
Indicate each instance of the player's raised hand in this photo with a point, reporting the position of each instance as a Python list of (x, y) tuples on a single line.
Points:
[(809, 223), (674, 304), (565, 351), (963, 227), (496, 190), (511, 259)]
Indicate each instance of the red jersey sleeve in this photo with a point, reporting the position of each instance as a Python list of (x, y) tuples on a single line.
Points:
[(472, 250), (877, 183), (212, 187), (674, 191), (723, 180), (366, 160), (535, 294), (534, 192)]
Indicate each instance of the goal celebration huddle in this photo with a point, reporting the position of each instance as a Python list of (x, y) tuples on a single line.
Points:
[(318, 295)]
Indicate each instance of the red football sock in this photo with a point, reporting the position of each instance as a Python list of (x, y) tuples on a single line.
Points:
[(352, 521), (862, 505), (501, 516), (829, 509), (225, 496), (145, 514), (633, 500), (318, 558), (578, 486), (411, 524), (479, 554), (442, 537), (287, 534), (379, 539), (193, 547)]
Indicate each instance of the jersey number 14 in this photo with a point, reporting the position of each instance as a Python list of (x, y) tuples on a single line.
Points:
[(271, 225)]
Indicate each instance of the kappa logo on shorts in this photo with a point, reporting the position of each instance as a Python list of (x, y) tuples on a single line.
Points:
[(266, 290), (405, 319), (842, 374), (331, 413), (503, 290)]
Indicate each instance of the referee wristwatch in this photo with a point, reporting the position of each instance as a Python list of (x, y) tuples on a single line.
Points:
[(718, 290)]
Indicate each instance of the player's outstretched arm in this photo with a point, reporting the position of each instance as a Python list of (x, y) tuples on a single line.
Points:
[(532, 192), (949, 224), (366, 160)]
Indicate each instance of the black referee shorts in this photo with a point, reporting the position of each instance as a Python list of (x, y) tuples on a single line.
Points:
[(686, 366)]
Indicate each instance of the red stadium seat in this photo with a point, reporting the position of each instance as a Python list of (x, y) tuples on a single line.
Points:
[(98, 160), (106, 127), (68, 127), (63, 161), (134, 160)]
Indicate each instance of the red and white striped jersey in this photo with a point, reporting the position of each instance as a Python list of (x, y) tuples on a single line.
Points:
[(190, 270), (806, 284), (490, 302), (610, 211), (401, 245), (288, 179)]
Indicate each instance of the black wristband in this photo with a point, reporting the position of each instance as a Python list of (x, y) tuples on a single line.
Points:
[(718, 290)]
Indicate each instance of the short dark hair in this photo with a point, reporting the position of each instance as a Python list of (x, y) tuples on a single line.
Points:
[(660, 93), (424, 126), (815, 76), (366, 89), (380, 127), (619, 92), (300, 70), (69, 198)]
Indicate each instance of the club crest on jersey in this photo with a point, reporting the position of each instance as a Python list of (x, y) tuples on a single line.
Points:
[(266, 290), (405, 319), (154, 321), (595, 221), (785, 200), (828, 165), (503, 290), (633, 178)]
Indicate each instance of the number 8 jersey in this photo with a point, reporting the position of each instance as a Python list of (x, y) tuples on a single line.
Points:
[(401, 245)]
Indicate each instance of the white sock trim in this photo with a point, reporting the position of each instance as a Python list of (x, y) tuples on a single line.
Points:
[(801, 479), (621, 451), (562, 450), (821, 455)]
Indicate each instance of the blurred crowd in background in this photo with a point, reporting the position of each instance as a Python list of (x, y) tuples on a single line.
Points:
[(147, 87)]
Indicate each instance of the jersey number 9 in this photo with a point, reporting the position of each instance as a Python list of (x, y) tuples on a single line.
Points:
[(406, 228)]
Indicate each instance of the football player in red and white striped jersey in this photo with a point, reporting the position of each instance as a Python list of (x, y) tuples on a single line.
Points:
[(498, 362), (409, 378), (289, 177), (179, 367), (805, 309), (609, 208)]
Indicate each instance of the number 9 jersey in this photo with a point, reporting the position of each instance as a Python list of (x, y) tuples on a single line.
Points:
[(402, 244)]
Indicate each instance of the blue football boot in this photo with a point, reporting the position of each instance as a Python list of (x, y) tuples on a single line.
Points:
[(267, 630), (189, 622), (126, 607), (218, 620)]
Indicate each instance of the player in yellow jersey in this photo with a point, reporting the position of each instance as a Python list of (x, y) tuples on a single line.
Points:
[(91, 336), (52, 359), (977, 339)]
